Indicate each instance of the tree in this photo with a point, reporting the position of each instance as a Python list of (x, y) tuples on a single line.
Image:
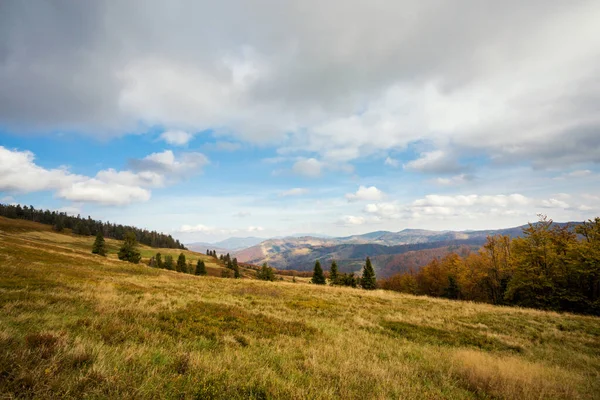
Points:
[(181, 267), (128, 251), (59, 226), (333, 274), (159, 261), (318, 278), (236, 271), (168, 264), (266, 273), (368, 280), (200, 268), (99, 246)]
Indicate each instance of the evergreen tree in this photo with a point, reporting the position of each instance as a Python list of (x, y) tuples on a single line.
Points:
[(99, 245), (236, 271), (368, 280), (159, 261), (128, 251), (168, 264), (318, 278), (452, 291), (333, 274), (200, 268), (180, 267), (59, 226), (266, 273)]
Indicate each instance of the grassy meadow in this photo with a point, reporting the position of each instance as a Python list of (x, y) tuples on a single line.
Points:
[(77, 325)]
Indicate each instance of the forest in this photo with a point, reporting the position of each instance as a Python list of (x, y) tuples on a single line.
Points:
[(552, 267), (87, 226)]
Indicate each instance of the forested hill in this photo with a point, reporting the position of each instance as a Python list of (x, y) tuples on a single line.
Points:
[(88, 226)]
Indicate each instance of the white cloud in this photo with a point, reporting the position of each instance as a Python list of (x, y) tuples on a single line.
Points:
[(436, 161), (310, 167), (350, 220), (554, 203), (255, 229), (20, 174), (196, 228), (242, 214), (455, 180), (166, 163), (364, 193), (176, 137), (294, 192), (392, 162), (574, 174)]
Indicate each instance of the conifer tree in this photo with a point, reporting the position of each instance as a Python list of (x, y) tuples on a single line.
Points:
[(200, 268), (99, 245), (318, 278), (236, 271), (181, 267), (333, 274), (128, 251), (368, 280), (266, 273), (159, 261), (168, 264)]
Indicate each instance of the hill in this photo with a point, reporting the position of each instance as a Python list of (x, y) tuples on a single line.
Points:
[(388, 250), (76, 325)]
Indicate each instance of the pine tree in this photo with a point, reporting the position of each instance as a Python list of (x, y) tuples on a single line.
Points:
[(168, 264), (265, 273), (181, 267), (159, 261), (333, 274), (318, 278), (368, 280), (236, 271), (99, 245), (200, 268), (128, 251)]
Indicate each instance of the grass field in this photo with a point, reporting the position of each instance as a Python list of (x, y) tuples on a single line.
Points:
[(76, 325)]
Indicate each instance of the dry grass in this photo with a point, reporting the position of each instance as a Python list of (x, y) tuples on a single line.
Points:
[(75, 325)]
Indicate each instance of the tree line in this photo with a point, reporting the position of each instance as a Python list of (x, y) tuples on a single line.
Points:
[(88, 226), (366, 281), (551, 267)]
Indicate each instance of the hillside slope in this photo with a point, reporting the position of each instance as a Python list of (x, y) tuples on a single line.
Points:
[(76, 325)]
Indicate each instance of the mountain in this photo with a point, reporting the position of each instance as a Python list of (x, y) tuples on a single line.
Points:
[(227, 245), (384, 248)]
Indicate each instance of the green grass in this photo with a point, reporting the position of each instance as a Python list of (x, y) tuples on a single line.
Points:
[(76, 325)]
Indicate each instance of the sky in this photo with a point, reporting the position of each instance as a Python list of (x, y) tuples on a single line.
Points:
[(207, 119)]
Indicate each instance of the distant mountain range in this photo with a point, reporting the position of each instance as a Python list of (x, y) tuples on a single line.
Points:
[(391, 252), (225, 246)]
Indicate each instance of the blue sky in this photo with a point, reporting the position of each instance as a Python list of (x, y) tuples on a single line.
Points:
[(287, 122)]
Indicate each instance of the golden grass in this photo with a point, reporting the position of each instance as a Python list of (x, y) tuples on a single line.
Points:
[(76, 325)]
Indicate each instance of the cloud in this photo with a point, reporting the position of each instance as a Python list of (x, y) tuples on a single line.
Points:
[(96, 191), (505, 84), (351, 220), (436, 162), (554, 203), (195, 228), (20, 174), (176, 138), (364, 193), (294, 192), (200, 228), (166, 163), (456, 180), (242, 214), (392, 162), (581, 173), (310, 167)]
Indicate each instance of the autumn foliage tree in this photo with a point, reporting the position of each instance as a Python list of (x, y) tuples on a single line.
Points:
[(552, 266)]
